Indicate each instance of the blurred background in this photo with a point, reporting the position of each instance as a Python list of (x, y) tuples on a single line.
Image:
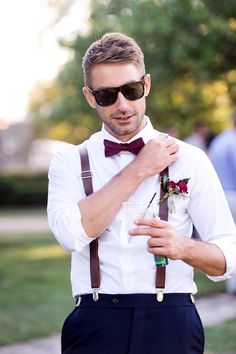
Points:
[(190, 52)]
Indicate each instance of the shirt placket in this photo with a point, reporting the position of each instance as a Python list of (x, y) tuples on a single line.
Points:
[(125, 258)]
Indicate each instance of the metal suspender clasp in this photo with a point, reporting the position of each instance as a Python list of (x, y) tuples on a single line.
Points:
[(86, 174), (95, 295), (160, 295)]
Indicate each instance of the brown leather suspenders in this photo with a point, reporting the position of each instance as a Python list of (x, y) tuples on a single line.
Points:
[(86, 176), (163, 215)]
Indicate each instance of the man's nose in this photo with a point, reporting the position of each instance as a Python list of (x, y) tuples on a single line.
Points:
[(122, 103)]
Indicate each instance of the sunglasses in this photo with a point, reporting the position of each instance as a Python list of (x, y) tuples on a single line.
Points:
[(106, 97)]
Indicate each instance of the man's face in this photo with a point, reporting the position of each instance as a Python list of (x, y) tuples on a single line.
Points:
[(123, 119)]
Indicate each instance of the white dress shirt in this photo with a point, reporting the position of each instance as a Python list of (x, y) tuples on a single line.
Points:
[(126, 265)]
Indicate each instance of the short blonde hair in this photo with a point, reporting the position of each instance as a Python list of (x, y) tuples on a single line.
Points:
[(112, 47)]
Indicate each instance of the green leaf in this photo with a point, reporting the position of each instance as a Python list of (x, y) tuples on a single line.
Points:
[(163, 198), (165, 182), (171, 205), (186, 180)]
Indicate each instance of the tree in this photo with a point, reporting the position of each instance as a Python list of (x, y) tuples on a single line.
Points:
[(190, 51)]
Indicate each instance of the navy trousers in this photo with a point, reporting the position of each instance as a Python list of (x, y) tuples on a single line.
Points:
[(133, 324)]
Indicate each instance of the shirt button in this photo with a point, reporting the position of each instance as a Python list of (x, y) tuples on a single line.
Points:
[(115, 301)]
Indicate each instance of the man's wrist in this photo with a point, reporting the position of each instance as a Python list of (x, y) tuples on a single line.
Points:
[(188, 249), (134, 172)]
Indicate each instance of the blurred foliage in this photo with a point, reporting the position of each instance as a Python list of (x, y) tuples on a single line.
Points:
[(18, 189), (190, 52), (207, 287)]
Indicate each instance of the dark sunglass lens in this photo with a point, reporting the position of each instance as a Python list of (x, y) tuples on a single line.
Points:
[(106, 97), (133, 91)]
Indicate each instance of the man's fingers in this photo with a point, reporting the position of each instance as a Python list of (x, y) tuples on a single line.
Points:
[(158, 223), (172, 146), (170, 141), (148, 227), (141, 231)]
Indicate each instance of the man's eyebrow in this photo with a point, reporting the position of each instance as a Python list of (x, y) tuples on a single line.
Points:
[(111, 87)]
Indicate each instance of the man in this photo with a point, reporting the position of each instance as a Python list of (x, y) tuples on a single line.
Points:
[(130, 312), (222, 152)]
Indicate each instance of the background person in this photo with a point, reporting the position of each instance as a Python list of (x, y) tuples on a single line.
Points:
[(199, 136), (127, 318), (222, 152)]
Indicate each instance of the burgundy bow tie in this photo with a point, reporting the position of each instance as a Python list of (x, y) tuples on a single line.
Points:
[(112, 148)]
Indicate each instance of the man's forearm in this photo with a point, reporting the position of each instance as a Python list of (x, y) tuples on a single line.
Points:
[(99, 209), (206, 257)]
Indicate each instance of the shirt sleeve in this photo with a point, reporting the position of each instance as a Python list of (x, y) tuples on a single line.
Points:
[(65, 189), (211, 215)]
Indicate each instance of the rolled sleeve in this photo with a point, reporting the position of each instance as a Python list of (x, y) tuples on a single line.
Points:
[(66, 225), (211, 215), (65, 190), (228, 248)]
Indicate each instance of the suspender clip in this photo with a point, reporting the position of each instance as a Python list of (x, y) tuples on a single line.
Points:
[(86, 174), (160, 295), (95, 295)]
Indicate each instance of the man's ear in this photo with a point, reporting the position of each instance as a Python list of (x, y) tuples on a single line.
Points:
[(147, 85), (89, 97)]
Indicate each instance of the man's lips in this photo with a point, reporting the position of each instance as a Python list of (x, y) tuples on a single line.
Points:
[(123, 118)]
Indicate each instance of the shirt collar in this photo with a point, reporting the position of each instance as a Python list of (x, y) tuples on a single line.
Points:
[(146, 133)]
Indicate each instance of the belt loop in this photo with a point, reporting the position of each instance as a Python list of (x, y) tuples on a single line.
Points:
[(78, 301), (95, 294), (192, 298)]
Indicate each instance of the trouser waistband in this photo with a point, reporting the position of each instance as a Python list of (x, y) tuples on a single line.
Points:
[(135, 300)]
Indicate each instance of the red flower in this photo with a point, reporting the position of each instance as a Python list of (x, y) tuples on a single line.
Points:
[(171, 185), (171, 189), (182, 186)]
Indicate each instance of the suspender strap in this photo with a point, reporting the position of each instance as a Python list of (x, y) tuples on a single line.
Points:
[(163, 214), (163, 210), (86, 176), (86, 173)]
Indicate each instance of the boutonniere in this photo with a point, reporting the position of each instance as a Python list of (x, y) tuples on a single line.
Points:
[(171, 188)]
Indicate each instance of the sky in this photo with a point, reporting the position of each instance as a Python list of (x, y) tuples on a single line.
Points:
[(29, 49)]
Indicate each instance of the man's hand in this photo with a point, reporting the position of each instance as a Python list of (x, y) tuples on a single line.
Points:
[(165, 241), (156, 155)]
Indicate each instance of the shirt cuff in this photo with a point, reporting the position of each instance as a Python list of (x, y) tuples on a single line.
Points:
[(81, 237), (226, 248), (65, 223)]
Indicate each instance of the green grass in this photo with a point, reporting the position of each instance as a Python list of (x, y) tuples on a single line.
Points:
[(220, 339), (35, 291)]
